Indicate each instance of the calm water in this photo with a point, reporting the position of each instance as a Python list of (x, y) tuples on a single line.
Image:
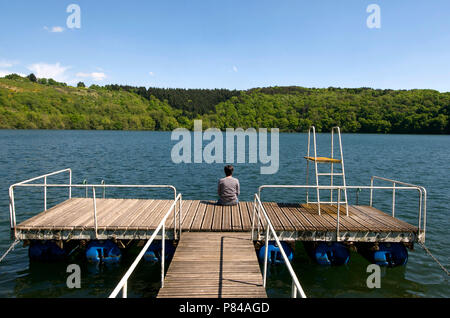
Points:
[(144, 158)]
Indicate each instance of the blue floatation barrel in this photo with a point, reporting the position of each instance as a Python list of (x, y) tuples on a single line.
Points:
[(328, 253), (274, 255), (153, 253), (103, 252), (388, 254), (45, 251)]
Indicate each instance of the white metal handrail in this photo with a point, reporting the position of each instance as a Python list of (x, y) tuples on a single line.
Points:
[(93, 186), (422, 203), (123, 283), (422, 200), (296, 287), (104, 189), (12, 207), (45, 185)]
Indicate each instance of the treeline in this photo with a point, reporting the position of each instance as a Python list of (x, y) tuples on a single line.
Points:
[(25, 104), (46, 104), (354, 110), (192, 102)]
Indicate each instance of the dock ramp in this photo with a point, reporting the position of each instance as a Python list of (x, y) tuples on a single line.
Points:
[(214, 265)]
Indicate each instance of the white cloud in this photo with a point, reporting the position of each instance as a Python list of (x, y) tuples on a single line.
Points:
[(5, 64), (55, 29), (235, 68), (44, 70), (95, 76), (8, 64), (151, 73), (3, 73)]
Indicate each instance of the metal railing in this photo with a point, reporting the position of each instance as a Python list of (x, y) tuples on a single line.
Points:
[(104, 189), (12, 206), (422, 214), (421, 190), (45, 185), (296, 287), (123, 283)]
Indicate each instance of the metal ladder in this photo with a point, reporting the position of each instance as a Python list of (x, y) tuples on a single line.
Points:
[(332, 161)]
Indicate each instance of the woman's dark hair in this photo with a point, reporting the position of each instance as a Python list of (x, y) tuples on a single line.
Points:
[(228, 170)]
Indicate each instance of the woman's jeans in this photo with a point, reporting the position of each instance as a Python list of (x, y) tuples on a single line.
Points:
[(220, 202)]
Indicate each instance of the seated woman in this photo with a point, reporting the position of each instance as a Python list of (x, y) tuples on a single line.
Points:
[(228, 188)]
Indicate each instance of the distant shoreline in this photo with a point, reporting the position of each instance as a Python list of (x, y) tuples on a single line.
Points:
[(31, 103), (169, 131)]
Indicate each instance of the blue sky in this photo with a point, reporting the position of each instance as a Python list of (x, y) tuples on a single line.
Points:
[(230, 44)]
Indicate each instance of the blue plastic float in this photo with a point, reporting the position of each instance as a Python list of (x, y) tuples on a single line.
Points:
[(274, 254), (328, 253), (103, 252), (45, 251), (153, 253), (387, 254)]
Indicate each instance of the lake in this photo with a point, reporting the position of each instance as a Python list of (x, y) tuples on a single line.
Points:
[(122, 157)]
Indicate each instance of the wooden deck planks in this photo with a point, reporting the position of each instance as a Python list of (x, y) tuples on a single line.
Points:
[(293, 218), (78, 214), (236, 222), (325, 219), (206, 216), (110, 208), (217, 219), (186, 205), (190, 214), (125, 220), (277, 212), (152, 221), (311, 214), (146, 215), (61, 207), (367, 221), (345, 223), (303, 221), (246, 217), (116, 211), (214, 264), (288, 219), (49, 217), (198, 219), (226, 218), (386, 219)]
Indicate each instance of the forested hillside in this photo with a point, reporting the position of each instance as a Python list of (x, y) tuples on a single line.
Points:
[(46, 104)]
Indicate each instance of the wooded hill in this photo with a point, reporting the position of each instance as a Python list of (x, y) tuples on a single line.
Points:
[(31, 103)]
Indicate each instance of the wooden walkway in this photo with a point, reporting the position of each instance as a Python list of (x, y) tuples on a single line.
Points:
[(137, 218), (214, 265)]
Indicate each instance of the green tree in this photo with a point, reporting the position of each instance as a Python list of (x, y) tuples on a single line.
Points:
[(32, 77), (52, 82)]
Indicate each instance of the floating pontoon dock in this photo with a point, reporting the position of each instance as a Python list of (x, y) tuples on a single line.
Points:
[(138, 218), (215, 256)]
